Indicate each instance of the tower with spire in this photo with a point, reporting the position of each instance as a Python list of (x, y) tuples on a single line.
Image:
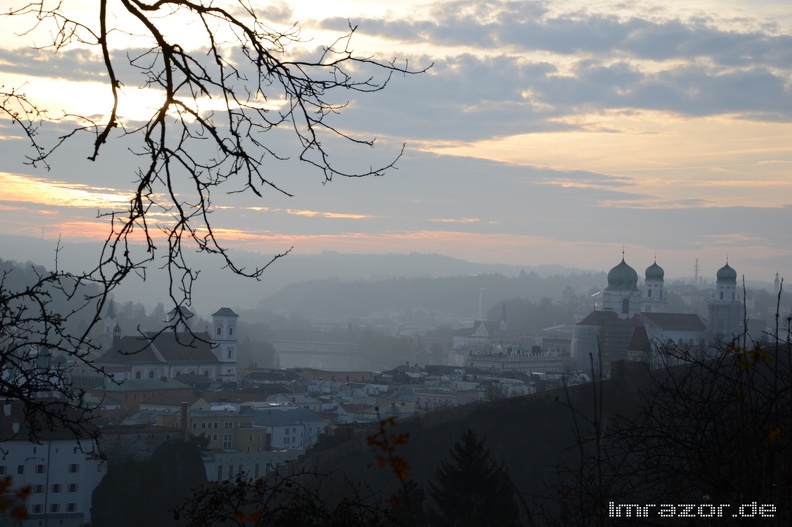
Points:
[(725, 310), (109, 319), (653, 300), (224, 342), (622, 295)]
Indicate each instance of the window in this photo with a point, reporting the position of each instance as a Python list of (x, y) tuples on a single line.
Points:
[(38, 488), (227, 441), (73, 487), (195, 426), (37, 508), (219, 472), (215, 425), (71, 507), (219, 331), (138, 374), (625, 306), (40, 469), (229, 353), (721, 295), (649, 293), (214, 437), (56, 487), (228, 425), (203, 426), (231, 331), (54, 507), (151, 374), (20, 469), (3, 469), (74, 467)]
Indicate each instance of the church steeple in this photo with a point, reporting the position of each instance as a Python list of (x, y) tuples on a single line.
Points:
[(117, 337), (504, 322), (109, 318), (622, 295), (653, 301)]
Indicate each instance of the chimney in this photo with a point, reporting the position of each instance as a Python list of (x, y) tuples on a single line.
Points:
[(184, 427)]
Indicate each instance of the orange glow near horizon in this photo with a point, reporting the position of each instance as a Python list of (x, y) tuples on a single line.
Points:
[(41, 191)]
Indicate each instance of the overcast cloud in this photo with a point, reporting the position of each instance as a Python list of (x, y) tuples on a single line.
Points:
[(543, 129)]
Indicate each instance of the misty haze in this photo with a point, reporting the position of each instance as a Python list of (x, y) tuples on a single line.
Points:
[(420, 264)]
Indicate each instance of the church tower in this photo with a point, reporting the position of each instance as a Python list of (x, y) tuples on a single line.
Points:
[(109, 319), (725, 310), (622, 294), (653, 300), (224, 342)]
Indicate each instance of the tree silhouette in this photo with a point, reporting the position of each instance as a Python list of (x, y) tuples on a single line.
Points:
[(472, 490), (713, 432), (222, 89)]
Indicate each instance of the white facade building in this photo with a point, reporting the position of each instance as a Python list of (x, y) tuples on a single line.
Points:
[(62, 471)]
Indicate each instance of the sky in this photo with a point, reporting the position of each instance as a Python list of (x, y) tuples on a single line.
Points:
[(561, 132)]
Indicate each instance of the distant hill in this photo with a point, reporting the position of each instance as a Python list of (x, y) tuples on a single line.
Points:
[(450, 295), (217, 286)]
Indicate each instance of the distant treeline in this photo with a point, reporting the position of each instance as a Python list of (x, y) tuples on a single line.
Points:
[(16, 277)]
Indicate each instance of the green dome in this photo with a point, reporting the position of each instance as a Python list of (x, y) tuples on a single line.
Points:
[(727, 274), (654, 273), (622, 278)]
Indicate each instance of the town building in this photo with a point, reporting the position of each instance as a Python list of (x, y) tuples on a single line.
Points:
[(176, 350), (61, 470), (492, 345), (131, 393), (290, 426)]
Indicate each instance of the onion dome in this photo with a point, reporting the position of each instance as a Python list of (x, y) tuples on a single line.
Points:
[(622, 278), (727, 274), (654, 273)]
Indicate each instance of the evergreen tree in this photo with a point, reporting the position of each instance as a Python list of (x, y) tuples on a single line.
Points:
[(472, 490)]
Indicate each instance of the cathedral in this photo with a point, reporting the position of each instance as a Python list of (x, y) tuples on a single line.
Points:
[(634, 324)]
